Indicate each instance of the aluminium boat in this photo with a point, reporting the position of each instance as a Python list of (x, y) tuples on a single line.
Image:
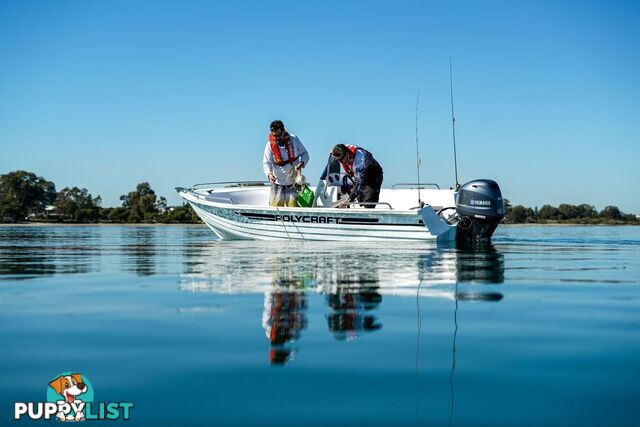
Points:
[(240, 210)]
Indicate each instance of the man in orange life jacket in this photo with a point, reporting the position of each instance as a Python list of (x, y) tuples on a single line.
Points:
[(366, 172), (284, 155)]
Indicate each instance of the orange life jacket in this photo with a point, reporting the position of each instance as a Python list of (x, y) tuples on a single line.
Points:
[(277, 157), (348, 165)]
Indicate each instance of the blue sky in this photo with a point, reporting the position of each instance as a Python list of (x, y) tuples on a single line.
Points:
[(107, 94)]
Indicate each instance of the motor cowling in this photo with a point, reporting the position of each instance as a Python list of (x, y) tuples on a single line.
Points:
[(480, 208)]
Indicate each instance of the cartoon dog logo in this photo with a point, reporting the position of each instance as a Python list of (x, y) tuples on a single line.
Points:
[(69, 387)]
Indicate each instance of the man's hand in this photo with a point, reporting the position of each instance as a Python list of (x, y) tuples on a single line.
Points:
[(343, 205), (272, 178), (299, 166)]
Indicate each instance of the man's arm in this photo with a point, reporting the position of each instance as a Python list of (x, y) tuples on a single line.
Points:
[(268, 163), (303, 155)]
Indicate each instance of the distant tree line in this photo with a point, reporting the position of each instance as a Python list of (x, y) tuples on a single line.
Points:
[(569, 214), (24, 196)]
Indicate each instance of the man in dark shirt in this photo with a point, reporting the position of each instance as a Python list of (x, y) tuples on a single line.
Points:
[(365, 171)]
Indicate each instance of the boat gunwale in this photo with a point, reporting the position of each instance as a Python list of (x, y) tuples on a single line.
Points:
[(356, 210)]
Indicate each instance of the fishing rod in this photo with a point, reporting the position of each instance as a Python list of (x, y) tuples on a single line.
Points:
[(417, 153), (453, 125)]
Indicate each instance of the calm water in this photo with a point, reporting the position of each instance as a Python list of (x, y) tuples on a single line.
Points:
[(542, 329)]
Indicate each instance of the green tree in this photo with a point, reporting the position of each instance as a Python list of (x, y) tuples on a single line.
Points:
[(142, 205), (77, 204), (518, 214), (611, 212), (179, 215), (118, 214), (24, 193), (587, 211), (566, 211), (548, 212)]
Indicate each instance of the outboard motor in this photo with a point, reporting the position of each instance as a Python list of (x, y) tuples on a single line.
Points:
[(480, 209)]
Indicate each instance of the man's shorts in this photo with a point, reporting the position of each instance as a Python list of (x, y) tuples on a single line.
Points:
[(283, 195)]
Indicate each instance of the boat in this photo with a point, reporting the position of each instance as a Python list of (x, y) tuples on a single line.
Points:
[(405, 212)]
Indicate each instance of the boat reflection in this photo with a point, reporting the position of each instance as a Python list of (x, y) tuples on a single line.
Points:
[(480, 265), (352, 280)]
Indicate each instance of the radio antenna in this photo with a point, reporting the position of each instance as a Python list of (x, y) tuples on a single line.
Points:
[(417, 152), (453, 125)]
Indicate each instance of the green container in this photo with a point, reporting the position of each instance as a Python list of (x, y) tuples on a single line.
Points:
[(305, 198)]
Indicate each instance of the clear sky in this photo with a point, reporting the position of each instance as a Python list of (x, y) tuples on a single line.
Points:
[(107, 94)]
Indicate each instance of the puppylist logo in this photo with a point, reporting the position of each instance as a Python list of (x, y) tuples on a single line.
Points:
[(70, 398)]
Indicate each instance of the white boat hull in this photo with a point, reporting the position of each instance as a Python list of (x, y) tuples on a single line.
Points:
[(232, 221)]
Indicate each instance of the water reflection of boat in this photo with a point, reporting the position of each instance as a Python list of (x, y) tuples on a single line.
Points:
[(353, 282), (251, 267), (480, 265)]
